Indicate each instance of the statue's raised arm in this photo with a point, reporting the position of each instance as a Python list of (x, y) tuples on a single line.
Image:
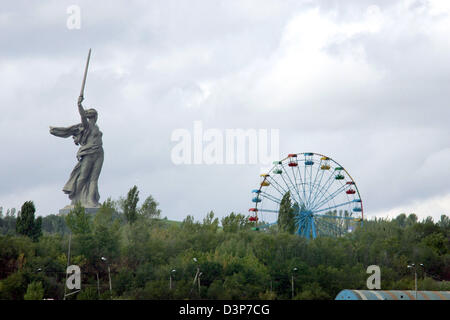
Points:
[(84, 120)]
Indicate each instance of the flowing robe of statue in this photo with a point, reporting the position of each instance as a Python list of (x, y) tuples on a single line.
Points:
[(82, 185)]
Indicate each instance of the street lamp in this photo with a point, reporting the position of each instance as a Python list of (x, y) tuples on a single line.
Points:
[(197, 276), (413, 265), (292, 281), (199, 282), (109, 275), (170, 278)]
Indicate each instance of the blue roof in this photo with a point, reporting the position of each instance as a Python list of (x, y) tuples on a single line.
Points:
[(392, 295)]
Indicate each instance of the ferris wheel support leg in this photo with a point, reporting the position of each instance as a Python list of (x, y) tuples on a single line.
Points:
[(313, 228)]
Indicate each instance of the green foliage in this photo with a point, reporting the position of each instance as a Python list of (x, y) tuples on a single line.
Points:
[(235, 222), (8, 225), (89, 293), (26, 224), (313, 291), (286, 216), (14, 286), (234, 262), (130, 205), (54, 224), (78, 221), (149, 209), (35, 291)]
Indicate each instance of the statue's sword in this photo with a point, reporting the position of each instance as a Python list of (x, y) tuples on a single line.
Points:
[(85, 74)]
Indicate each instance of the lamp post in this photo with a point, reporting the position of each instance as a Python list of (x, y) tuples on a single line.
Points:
[(170, 278), (198, 269), (413, 265), (109, 275), (198, 279), (98, 286), (292, 281)]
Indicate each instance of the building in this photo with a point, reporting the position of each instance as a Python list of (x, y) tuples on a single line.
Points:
[(392, 295)]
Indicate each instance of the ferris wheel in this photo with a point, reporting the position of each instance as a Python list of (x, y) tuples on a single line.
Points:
[(323, 198)]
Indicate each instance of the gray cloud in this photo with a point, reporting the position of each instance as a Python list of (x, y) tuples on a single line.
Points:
[(368, 88)]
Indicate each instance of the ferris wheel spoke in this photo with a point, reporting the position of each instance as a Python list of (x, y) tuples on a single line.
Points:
[(310, 181), (302, 228), (336, 217), (330, 226), (314, 183), (318, 186), (306, 225), (279, 186), (292, 185), (321, 190), (304, 189), (270, 197), (301, 181), (268, 210), (300, 218), (282, 178), (293, 173), (333, 207), (329, 197), (331, 180)]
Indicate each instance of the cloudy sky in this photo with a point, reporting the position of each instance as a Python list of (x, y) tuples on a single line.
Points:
[(364, 82)]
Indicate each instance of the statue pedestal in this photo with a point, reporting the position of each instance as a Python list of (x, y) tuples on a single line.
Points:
[(67, 209)]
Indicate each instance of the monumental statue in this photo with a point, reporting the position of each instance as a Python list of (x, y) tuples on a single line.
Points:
[(82, 185)]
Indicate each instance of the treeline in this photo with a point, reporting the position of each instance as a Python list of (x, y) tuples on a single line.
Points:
[(153, 258)]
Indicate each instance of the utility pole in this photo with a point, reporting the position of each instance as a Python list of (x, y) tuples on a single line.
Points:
[(109, 275), (415, 277), (170, 279), (68, 262), (98, 286), (198, 279), (110, 284), (292, 281)]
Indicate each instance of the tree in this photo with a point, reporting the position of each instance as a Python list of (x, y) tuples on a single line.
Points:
[(106, 231), (54, 224), (35, 291), (149, 208), (210, 223), (89, 293), (234, 222), (401, 220), (312, 291), (130, 205), (13, 287), (412, 219), (26, 223), (77, 220), (286, 216)]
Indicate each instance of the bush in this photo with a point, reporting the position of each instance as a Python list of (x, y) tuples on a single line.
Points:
[(35, 291)]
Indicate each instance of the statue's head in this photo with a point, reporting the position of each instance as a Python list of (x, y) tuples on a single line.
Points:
[(92, 115)]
